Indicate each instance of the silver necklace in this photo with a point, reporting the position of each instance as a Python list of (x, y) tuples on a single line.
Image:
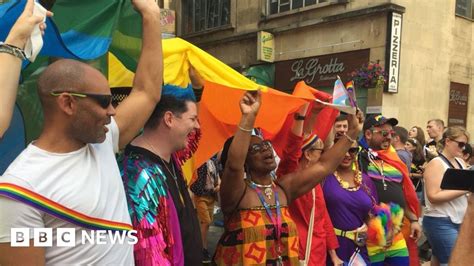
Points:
[(173, 174), (268, 189), (175, 177)]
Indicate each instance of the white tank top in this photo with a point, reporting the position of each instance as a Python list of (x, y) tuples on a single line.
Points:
[(454, 209)]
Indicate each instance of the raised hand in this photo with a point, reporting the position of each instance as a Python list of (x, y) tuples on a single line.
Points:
[(356, 122), (317, 107), (196, 79), (24, 25), (250, 103), (146, 6)]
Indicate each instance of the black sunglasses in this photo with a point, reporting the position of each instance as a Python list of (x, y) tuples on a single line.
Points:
[(259, 147), (461, 145), (104, 100), (353, 151)]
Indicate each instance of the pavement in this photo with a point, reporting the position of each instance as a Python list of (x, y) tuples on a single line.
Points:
[(215, 232)]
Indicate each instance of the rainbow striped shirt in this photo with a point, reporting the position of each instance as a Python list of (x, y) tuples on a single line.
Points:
[(390, 172)]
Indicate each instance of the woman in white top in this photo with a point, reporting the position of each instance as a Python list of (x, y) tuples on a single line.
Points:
[(445, 209)]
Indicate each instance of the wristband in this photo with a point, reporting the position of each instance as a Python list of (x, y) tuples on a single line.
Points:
[(13, 50), (299, 117), (413, 220)]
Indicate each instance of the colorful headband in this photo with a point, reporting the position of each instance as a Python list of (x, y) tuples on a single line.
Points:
[(309, 141)]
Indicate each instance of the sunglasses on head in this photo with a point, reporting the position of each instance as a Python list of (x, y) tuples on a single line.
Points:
[(314, 148), (104, 100), (259, 147), (461, 145), (353, 151), (384, 133)]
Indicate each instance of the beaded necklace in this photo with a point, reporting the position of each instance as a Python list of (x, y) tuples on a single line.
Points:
[(345, 185), (276, 221)]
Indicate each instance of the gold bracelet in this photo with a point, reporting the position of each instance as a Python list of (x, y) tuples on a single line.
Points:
[(244, 129)]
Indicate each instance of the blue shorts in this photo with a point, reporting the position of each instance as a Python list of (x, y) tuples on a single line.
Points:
[(442, 235)]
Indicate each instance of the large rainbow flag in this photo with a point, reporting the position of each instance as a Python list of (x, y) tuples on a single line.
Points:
[(107, 34)]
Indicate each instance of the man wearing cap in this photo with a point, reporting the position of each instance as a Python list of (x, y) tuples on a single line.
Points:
[(379, 160)]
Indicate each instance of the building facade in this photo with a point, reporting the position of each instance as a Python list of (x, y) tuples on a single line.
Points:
[(425, 46)]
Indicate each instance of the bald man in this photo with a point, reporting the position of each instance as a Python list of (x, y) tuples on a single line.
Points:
[(72, 166)]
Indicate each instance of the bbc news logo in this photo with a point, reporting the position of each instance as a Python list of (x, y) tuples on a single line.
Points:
[(66, 237)]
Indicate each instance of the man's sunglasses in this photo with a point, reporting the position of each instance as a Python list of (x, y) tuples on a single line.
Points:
[(259, 147), (104, 100), (353, 151), (385, 133), (461, 145)]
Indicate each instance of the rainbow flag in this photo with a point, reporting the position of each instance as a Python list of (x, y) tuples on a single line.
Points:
[(57, 210), (351, 92), (108, 32)]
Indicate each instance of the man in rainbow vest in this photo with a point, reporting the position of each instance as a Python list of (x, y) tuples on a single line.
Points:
[(68, 178), (379, 160)]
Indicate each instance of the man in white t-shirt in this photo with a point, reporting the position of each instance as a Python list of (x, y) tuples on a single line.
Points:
[(73, 162)]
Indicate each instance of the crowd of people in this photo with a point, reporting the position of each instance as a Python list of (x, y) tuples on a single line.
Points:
[(364, 195)]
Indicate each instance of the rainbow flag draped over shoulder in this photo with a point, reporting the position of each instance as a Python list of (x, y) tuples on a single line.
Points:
[(57, 210)]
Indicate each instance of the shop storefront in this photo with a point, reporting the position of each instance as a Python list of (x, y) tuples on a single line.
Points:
[(321, 72)]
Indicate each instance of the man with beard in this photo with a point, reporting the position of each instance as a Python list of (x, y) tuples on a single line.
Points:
[(68, 178), (379, 160), (168, 228)]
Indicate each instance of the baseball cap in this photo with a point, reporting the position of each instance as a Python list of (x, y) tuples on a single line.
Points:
[(378, 120)]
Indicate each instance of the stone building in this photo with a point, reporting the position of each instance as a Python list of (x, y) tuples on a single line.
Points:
[(425, 46)]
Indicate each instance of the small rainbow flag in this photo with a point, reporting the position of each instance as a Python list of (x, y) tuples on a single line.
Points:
[(41, 203), (351, 92)]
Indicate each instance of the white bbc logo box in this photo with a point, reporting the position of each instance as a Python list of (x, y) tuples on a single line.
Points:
[(42, 237)]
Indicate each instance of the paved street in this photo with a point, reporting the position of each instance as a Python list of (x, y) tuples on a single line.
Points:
[(213, 236)]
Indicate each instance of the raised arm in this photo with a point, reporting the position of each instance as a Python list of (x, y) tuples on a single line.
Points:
[(135, 110), (302, 181), (10, 65), (232, 181), (433, 175), (292, 150)]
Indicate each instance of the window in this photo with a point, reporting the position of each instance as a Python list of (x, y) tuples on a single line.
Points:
[(201, 15), (279, 6), (464, 8)]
